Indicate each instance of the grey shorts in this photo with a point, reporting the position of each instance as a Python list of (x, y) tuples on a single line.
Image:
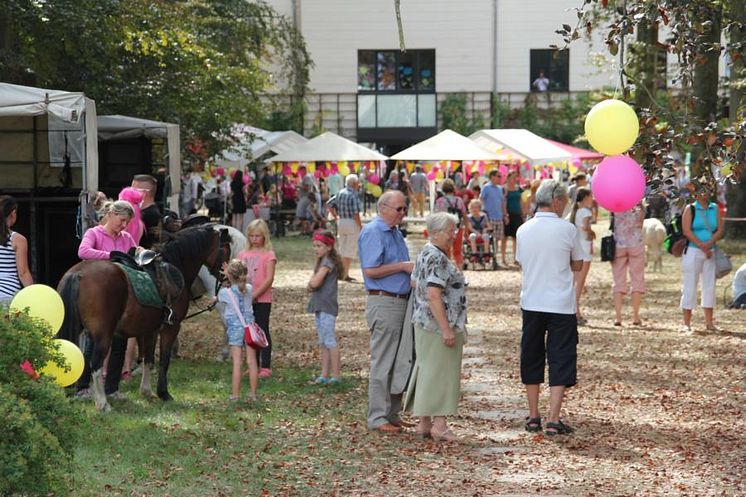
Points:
[(326, 328)]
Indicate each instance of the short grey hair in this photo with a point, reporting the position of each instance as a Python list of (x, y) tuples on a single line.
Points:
[(439, 221), (549, 190), (386, 197), (351, 179)]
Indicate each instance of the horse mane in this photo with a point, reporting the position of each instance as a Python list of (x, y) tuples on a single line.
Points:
[(188, 245)]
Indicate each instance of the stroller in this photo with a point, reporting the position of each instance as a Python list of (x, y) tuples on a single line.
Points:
[(215, 204)]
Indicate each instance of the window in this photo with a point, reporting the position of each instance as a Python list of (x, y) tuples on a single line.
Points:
[(394, 71), (396, 90), (550, 70)]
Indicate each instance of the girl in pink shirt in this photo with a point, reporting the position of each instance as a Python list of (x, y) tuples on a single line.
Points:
[(99, 241), (261, 262)]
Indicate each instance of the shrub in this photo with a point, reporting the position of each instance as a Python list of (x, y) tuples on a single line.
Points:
[(38, 436)]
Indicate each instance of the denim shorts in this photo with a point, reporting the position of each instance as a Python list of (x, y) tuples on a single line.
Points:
[(235, 335), (325, 327)]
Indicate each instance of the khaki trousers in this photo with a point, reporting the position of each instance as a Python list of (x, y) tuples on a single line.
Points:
[(385, 317)]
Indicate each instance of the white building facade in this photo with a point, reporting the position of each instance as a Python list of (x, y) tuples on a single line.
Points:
[(364, 88)]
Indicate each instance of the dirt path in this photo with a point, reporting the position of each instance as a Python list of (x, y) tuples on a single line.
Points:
[(657, 413)]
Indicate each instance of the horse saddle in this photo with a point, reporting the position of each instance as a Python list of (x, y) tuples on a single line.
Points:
[(155, 283)]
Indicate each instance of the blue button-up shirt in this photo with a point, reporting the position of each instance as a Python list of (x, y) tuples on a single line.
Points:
[(492, 201), (380, 244)]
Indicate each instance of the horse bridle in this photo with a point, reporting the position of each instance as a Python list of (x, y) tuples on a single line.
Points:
[(224, 247)]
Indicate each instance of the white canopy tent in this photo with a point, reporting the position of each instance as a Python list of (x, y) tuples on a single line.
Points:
[(446, 145), (49, 162), (255, 143), (118, 127), (531, 147), (328, 147), (70, 113)]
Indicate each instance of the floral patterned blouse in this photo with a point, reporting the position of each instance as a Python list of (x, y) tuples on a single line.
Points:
[(434, 268), (628, 228)]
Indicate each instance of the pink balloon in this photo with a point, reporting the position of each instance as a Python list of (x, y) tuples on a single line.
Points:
[(220, 171), (373, 178), (246, 179), (618, 183), (431, 175)]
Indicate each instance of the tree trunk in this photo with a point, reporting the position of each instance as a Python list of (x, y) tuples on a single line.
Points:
[(705, 84), (736, 195), (647, 51)]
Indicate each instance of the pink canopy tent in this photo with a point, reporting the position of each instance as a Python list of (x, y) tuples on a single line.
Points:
[(579, 153)]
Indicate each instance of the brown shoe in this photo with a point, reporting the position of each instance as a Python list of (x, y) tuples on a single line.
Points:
[(400, 423), (387, 428)]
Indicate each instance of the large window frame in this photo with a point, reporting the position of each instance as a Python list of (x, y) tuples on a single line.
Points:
[(375, 67), (396, 90), (556, 66)]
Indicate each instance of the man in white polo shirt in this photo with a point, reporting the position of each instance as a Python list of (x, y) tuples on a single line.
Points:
[(549, 250)]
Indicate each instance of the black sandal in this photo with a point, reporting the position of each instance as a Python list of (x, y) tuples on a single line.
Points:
[(558, 428), (533, 425)]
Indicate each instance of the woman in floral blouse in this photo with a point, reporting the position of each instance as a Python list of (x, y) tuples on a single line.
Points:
[(439, 318), (629, 257)]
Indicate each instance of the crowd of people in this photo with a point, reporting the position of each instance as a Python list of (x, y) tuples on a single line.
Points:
[(415, 310)]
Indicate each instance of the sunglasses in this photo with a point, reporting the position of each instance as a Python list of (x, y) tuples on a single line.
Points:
[(397, 209)]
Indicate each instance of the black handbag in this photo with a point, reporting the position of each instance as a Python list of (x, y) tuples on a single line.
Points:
[(608, 248), (608, 244)]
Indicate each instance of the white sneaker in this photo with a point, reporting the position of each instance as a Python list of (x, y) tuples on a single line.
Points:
[(686, 329)]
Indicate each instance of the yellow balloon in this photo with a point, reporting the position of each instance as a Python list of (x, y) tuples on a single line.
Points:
[(74, 361), (525, 195), (344, 170), (611, 127), (374, 189), (43, 302)]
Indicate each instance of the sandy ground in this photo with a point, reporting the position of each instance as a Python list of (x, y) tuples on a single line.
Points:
[(657, 412)]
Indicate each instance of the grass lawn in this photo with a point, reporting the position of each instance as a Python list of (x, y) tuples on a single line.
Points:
[(658, 413)]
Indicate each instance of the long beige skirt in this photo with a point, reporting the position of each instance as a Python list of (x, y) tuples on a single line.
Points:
[(435, 386)]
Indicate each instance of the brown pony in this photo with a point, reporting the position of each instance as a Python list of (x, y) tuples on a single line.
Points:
[(99, 298)]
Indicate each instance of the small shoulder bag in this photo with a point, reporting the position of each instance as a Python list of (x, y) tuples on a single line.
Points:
[(608, 244), (253, 334), (723, 265)]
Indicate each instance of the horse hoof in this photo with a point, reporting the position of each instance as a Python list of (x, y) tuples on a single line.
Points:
[(165, 397), (105, 407)]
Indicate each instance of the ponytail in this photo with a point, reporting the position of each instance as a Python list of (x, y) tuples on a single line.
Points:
[(581, 194)]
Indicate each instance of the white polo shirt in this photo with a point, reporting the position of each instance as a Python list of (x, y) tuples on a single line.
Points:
[(546, 245)]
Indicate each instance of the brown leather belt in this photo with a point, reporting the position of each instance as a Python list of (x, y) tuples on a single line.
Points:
[(388, 294)]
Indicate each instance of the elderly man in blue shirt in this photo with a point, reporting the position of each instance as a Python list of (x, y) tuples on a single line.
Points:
[(384, 259)]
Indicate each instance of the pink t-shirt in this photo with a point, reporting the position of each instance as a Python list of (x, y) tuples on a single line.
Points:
[(98, 244), (257, 261)]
